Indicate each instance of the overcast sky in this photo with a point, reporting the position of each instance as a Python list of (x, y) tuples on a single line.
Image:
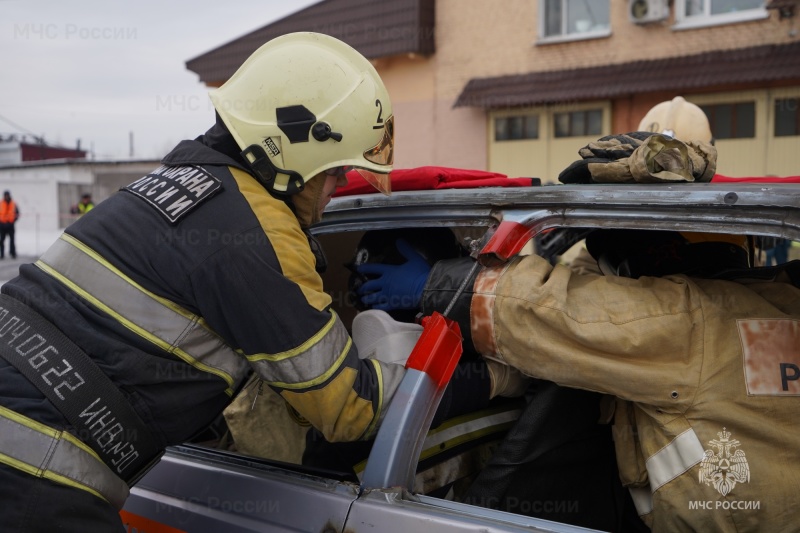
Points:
[(97, 71)]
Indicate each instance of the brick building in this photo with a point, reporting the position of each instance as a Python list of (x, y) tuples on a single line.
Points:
[(517, 86)]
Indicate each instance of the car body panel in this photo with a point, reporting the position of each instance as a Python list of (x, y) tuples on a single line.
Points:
[(206, 490), (193, 489)]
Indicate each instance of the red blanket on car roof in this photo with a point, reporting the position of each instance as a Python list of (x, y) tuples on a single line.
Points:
[(718, 178), (426, 178), (432, 177)]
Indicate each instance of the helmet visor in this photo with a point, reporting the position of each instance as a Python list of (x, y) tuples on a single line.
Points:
[(383, 152), (379, 181)]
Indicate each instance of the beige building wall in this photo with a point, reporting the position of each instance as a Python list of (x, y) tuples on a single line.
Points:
[(486, 38), (782, 153), (480, 38), (428, 130), (411, 83)]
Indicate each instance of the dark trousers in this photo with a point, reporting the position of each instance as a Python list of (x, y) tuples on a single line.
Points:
[(7, 229), (31, 504)]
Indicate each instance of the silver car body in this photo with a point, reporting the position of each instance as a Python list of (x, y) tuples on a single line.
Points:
[(194, 489)]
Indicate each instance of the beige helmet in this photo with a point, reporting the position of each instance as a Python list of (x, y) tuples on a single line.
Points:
[(304, 103), (680, 119)]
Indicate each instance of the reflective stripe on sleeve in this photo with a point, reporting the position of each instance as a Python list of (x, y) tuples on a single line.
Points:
[(310, 364), (42, 451), (674, 459), (155, 319)]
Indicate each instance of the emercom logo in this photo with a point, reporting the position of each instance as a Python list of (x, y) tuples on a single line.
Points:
[(724, 504), (725, 466)]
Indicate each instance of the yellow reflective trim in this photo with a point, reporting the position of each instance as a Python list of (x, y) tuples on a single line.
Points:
[(55, 434), (74, 441), (306, 346), (100, 259), (25, 421), (47, 474), (19, 465), (167, 347), (163, 301), (461, 439), (52, 476), (46, 430), (322, 377), (439, 447), (376, 417)]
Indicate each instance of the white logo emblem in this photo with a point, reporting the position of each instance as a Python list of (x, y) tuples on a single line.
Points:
[(725, 467)]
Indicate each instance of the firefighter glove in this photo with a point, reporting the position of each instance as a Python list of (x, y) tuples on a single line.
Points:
[(396, 286)]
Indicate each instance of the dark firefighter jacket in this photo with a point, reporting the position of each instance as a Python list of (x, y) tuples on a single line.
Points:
[(181, 282)]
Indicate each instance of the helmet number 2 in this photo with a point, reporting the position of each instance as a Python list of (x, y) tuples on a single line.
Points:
[(379, 122)]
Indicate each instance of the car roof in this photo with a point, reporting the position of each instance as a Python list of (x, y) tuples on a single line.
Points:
[(741, 208)]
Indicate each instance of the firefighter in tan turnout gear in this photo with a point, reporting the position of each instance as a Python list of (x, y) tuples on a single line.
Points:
[(699, 349), (137, 327)]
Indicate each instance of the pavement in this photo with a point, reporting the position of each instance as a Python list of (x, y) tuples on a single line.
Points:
[(9, 268)]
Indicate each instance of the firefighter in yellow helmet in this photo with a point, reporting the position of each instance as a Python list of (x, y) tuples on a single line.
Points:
[(697, 347), (679, 119), (148, 313)]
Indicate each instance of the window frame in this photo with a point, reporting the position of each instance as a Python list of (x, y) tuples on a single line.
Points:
[(525, 117), (775, 103), (586, 122), (734, 106), (684, 22), (543, 38)]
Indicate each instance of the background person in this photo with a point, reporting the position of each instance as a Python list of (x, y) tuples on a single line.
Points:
[(9, 214), (679, 119), (84, 206)]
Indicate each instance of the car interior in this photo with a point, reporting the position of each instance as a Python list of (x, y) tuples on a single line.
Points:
[(534, 457)]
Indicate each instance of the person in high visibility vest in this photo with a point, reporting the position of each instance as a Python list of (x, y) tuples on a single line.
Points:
[(9, 213), (86, 204)]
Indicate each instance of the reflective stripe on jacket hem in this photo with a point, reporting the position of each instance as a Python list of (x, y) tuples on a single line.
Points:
[(642, 499), (155, 319), (674, 459), (42, 451)]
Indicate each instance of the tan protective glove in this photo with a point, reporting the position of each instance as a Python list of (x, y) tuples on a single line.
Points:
[(505, 380)]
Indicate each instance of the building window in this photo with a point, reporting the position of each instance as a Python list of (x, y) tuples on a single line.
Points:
[(516, 127), (787, 117), (574, 18), (732, 121), (707, 12), (578, 123)]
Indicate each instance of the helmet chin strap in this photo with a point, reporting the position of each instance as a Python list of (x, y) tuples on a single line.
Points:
[(267, 173)]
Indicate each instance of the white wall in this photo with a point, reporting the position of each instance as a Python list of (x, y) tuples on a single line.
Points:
[(34, 187)]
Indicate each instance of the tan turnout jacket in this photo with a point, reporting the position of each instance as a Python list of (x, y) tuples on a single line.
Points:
[(706, 372)]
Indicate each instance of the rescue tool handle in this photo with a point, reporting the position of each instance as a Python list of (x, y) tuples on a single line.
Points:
[(398, 444), (438, 349)]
